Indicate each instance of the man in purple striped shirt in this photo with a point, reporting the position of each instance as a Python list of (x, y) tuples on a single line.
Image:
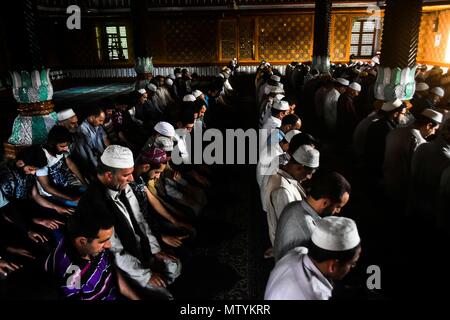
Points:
[(81, 262)]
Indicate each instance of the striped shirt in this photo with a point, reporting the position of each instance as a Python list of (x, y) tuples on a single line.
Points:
[(97, 282)]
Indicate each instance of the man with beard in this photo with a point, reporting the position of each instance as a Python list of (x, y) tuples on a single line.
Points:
[(150, 165), (60, 179), (91, 140), (329, 194), (135, 247), (284, 186), (419, 98), (68, 119), (433, 99)]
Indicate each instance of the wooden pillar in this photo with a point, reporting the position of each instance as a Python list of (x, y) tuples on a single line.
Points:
[(31, 85), (22, 35), (396, 73), (321, 45), (142, 52)]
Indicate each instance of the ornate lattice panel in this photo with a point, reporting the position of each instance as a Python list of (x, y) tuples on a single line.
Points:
[(246, 38), (228, 39), (429, 49), (190, 40), (286, 39), (340, 37)]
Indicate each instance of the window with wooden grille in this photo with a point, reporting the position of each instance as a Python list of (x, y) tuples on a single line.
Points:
[(117, 44), (362, 43)]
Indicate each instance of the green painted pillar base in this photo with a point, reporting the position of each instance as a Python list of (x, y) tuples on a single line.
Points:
[(395, 83), (321, 63), (31, 130)]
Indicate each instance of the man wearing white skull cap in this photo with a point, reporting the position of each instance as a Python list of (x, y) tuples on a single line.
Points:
[(331, 98), (347, 116), (189, 98), (375, 144), (278, 111), (135, 248), (432, 101), (428, 163), (68, 119), (162, 128), (284, 186), (328, 195), (401, 143), (308, 274)]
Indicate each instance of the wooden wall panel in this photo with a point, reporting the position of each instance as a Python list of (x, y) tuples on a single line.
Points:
[(286, 38), (340, 39), (195, 39), (227, 39), (428, 51), (191, 40)]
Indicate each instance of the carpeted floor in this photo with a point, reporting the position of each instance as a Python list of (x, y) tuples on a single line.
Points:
[(87, 95)]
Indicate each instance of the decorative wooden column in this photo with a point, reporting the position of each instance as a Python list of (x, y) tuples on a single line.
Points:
[(321, 45), (397, 68), (22, 35), (33, 93), (141, 27), (33, 90)]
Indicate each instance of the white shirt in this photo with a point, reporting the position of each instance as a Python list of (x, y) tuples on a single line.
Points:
[(330, 108), (295, 277), (182, 146), (51, 160), (281, 189), (267, 164), (279, 160), (265, 112), (271, 123), (125, 261)]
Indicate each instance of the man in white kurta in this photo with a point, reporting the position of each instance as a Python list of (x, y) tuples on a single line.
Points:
[(295, 277), (279, 160), (304, 275), (330, 103), (266, 164), (279, 110), (284, 187)]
